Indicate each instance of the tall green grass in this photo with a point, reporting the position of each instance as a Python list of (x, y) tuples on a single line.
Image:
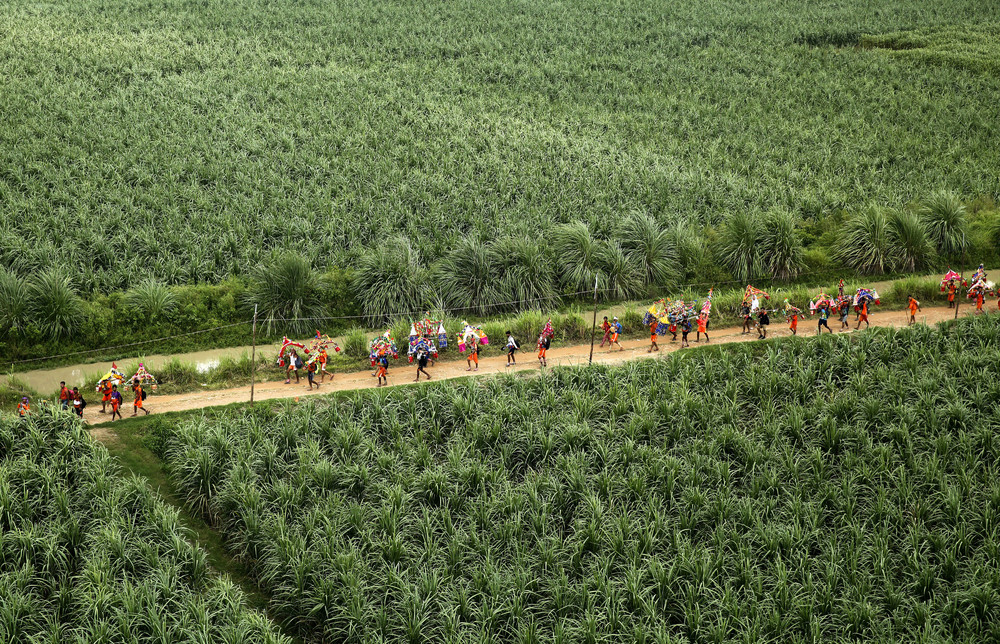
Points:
[(832, 489), (88, 555)]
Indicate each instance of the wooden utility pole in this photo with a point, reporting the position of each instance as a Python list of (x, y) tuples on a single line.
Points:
[(593, 330), (253, 356)]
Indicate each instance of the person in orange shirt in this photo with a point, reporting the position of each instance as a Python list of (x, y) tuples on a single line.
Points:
[(616, 329), (105, 395), (863, 317), (914, 306), (979, 301), (139, 395), (321, 359), (793, 323), (64, 395), (23, 407), (383, 371), (951, 294), (652, 337), (702, 328), (544, 342), (473, 356)]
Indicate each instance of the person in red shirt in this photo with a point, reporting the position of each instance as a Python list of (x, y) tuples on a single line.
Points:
[(64, 395), (606, 327)]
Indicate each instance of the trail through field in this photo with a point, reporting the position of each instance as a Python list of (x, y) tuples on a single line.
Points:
[(402, 373)]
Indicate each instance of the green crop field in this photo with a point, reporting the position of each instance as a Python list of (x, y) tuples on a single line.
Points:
[(89, 556), (186, 140), (833, 489)]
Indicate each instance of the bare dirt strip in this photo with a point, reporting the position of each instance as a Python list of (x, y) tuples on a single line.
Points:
[(401, 372)]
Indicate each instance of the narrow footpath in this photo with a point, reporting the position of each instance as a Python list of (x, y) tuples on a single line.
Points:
[(401, 372)]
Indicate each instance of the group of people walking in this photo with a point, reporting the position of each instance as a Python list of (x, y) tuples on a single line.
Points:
[(111, 398)]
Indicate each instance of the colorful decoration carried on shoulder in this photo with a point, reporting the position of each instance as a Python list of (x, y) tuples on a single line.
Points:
[(980, 274), (383, 345), (547, 330), (320, 342), (114, 375), (427, 329), (706, 308), (286, 347), (471, 335), (656, 311), (981, 286), (143, 377), (868, 295), (752, 297), (819, 301), (790, 310), (952, 277)]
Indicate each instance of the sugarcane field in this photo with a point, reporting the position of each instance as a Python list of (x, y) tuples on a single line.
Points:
[(499, 323)]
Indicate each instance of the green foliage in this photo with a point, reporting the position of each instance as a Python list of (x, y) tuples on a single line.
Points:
[(578, 256), (779, 247), (909, 237), (56, 310), (739, 246), (356, 344), (391, 279), (612, 505), (525, 273), (466, 277), (88, 555), (866, 242), (944, 216), (620, 277), (13, 302), (652, 248), (151, 300), (286, 290)]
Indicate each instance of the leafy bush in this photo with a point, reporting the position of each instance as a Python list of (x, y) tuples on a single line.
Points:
[(391, 279), (525, 271), (356, 343), (651, 248), (14, 296), (944, 216), (287, 291), (55, 307), (866, 242), (909, 236), (620, 277), (578, 256), (739, 246), (466, 277), (779, 247), (151, 300)]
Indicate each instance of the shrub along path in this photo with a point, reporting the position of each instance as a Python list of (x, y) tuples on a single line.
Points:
[(401, 372)]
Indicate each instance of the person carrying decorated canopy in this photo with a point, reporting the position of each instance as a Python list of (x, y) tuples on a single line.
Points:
[(287, 346), (114, 376), (792, 314), (545, 342), (950, 282), (382, 346), (980, 288), (144, 377), (703, 318), (24, 407), (863, 298), (469, 334)]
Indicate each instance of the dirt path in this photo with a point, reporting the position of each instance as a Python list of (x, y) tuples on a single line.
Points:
[(401, 372)]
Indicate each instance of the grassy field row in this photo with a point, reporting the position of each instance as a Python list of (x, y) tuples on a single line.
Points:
[(794, 490), (90, 555), (209, 136)]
